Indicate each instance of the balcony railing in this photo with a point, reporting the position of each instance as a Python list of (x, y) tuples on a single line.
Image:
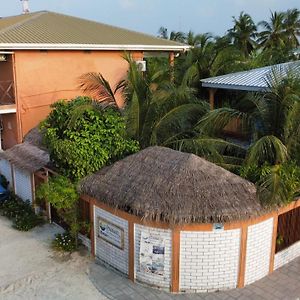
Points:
[(7, 94)]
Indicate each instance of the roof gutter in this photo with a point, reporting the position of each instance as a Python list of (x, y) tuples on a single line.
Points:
[(234, 87), (30, 46)]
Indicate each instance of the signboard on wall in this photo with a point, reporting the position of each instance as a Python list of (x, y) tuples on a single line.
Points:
[(152, 254), (111, 233)]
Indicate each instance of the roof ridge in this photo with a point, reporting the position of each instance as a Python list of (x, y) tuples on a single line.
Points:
[(20, 23), (115, 27)]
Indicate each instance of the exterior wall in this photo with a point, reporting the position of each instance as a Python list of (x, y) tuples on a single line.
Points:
[(204, 259), (23, 185), (259, 243), (285, 256), (209, 261), (85, 241), (5, 170), (108, 253), (9, 133), (152, 279), (43, 77)]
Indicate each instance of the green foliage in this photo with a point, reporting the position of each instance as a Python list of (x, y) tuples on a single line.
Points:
[(64, 242), (61, 193), (20, 212), (86, 143)]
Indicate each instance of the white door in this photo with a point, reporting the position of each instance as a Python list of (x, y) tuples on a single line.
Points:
[(23, 186)]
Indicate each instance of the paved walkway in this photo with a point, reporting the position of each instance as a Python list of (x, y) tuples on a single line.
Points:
[(283, 284)]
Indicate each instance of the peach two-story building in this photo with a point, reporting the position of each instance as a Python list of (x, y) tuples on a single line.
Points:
[(42, 55)]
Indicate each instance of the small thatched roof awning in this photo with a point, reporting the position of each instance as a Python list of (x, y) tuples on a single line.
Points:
[(26, 156), (35, 137), (166, 185)]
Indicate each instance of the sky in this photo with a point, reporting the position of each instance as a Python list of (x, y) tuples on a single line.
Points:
[(214, 16)]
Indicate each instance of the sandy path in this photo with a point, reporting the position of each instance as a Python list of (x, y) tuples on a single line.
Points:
[(29, 269)]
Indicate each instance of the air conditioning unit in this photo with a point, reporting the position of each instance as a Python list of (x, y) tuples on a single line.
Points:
[(141, 65)]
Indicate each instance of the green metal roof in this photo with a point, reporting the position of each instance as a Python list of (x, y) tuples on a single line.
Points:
[(48, 30)]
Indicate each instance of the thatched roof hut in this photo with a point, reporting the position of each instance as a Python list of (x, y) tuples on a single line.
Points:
[(35, 137), (166, 185), (26, 156)]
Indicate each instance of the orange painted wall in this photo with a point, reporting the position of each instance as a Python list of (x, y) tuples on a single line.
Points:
[(43, 77)]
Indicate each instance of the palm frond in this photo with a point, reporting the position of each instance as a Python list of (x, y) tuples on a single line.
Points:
[(96, 86), (267, 149)]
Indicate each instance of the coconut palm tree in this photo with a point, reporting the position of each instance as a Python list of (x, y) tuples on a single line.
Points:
[(211, 57), (271, 118), (292, 26), (177, 36), (273, 33), (243, 33)]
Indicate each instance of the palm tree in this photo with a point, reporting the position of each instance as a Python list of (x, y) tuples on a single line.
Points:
[(177, 36), (193, 39), (243, 33), (272, 120), (273, 34), (292, 27), (211, 57)]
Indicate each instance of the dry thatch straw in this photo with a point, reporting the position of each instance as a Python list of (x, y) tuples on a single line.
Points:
[(166, 185), (26, 156), (35, 137)]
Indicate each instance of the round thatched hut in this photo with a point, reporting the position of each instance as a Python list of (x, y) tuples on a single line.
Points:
[(176, 221)]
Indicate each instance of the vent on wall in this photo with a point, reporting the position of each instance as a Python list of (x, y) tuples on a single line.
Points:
[(141, 64)]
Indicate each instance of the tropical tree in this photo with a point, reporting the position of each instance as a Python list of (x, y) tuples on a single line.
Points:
[(292, 27), (193, 39), (271, 120), (177, 36), (243, 33), (211, 57), (273, 33)]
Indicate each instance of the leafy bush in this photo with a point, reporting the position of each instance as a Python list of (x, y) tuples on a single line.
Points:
[(64, 242), (20, 212), (82, 137)]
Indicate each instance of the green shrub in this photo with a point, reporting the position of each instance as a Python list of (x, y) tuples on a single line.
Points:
[(82, 138), (20, 212), (64, 242)]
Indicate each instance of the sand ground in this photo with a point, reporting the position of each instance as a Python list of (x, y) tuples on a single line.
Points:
[(29, 269)]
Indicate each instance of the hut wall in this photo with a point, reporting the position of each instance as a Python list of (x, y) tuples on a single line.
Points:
[(259, 245), (209, 261), (285, 256), (5, 170), (164, 280), (105, 250), (23, 184)]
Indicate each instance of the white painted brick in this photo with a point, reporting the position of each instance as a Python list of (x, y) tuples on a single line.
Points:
[(285, 256), (258, 250), (215, 265), (117, 258)]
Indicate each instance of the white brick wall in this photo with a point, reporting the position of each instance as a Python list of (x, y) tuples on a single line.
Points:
[(285, 256), (152, 279), (23, 187), (209, 261), (259, 244), (110, 254), (5, 169)]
